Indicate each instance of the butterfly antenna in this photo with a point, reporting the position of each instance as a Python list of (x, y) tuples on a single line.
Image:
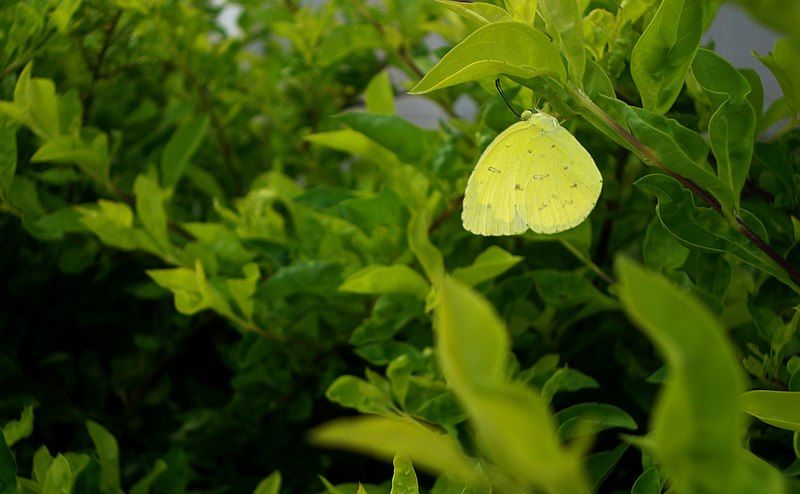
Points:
[(503, 95)]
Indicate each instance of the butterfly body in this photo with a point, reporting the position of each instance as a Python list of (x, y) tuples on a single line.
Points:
[(535, 175)]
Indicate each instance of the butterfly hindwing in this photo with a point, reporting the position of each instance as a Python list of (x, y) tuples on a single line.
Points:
[(534, 175)]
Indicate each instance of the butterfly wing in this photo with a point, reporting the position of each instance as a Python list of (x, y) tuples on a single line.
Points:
[(562, 182), (490, 201)]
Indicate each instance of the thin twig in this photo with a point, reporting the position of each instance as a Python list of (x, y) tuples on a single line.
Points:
[(649, 156), (588, 262)]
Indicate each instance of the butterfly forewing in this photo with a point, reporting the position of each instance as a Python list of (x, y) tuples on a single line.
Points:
[(533, 175)]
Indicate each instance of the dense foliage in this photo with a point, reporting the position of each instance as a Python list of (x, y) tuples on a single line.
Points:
[(226, 257)]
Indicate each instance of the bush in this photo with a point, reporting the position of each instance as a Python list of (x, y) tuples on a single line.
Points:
[(228, 260)]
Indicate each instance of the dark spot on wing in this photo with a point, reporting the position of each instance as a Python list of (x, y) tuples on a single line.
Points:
[(517, 187), (493, 169)]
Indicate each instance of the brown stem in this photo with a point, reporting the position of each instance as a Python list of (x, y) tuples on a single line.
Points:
[(650, 157), (101, 55)]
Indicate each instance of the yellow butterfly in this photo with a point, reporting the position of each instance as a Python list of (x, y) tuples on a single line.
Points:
[(535, 175)]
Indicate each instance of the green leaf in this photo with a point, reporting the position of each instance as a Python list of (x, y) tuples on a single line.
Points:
[(112, 222), (568, 289), (92, 159), (8, 469), (145, 484), (477, 14), (384, 437), (410, 143), (696, 425), (489, 264), (566, 379), (510, 48), (523, 11), (513, 425), (15, 430), (777, 408), (472, 341), (649, 482), (150, 209), (180, 148), (404, 479), (782, 62), (377, 279), (731, 129), (661, 250), (63, 13), (662, 56), (8, 156), (680, 149), (379, 94), (599, 465), (427, 254), (702, 227), (270, 485), (58, 479), (354, 392), (108, 455), (591, 418), (565, 25)]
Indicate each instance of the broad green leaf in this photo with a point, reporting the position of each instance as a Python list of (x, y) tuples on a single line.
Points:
[(35, 105), (58, 479), (695, 425), (781, 15), (408, 183), (649, 482), (567, 289), (702, 227), (8, 469), (42, 459), (782, 61), (241, 290), (145, 484), (180, 148), (777, 408), (108, 454), (662, 56), (112, 222), (354, 392), (513, 425), (510, 48), (384, 437), (731, 129), (377, 279), (404, 479), (598, 28), (591, 418), (410, 143), (93, 158), (565, 25), (600, 465), (477, 14), (523, 11), (472, 340), (270, 485), (63, 13), (8, 156), (679, 149), (489, 264), (566, 379), (16, 430), (150, 209), (193, 291), (379, 94), (661, 251), (427, 254)]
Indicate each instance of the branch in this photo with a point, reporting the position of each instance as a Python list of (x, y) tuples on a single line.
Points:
[(649, 156)]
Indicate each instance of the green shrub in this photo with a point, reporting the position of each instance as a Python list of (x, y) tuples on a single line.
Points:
[(216, 243)]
